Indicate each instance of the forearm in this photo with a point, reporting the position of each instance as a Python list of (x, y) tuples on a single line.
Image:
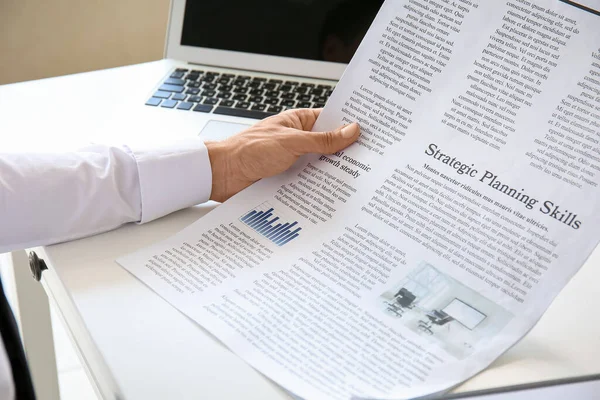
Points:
[(54, 198)]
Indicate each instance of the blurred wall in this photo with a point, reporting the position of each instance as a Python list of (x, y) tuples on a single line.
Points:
[(44, 38)]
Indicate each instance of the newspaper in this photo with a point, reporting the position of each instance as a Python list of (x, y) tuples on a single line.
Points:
[(410, 261)]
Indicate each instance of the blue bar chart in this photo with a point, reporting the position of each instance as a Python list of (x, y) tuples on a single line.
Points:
[(271, 224)]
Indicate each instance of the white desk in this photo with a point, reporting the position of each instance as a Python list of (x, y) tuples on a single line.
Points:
[(137, 347)]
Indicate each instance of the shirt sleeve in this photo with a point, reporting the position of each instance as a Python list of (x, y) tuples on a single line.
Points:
[(52, 198)]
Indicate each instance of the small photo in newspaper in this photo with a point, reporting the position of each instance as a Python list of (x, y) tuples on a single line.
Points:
[(438, 307)]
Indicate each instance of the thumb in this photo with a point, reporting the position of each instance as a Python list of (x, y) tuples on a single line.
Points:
[(331, 141)]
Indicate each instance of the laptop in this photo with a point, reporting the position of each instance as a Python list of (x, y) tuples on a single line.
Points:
[(234, 62)]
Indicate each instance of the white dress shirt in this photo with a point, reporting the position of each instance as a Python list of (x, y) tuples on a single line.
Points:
[(52, 198)]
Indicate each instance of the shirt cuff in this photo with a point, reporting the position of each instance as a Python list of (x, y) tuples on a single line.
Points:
[(173, 177)]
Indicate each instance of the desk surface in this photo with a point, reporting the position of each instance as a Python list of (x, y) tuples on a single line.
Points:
[(138, 347)]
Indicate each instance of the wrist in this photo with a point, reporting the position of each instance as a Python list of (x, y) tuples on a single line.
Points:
[(217, 154)]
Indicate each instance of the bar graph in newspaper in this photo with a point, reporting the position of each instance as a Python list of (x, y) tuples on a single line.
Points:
[(271, 224)]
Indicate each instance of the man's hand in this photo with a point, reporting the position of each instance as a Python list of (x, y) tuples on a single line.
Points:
[(269, 148)]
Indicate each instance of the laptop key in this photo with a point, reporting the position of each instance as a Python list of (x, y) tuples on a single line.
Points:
[(224, 95), (168, 103), (203, 108), (259, 107), (317, 92), (211, 101), (177, 75), (209, 93), (275, 81), (162, 95), (288, 103), (185, 105), (275, 109), (178, 96), (209, 86), (272, 93), (292, 83), (269, 86), (271, 101), (256, 99), (225, 88), (237, 112), (309, 85), (303, 97), (224, 81), (229, 76), (324, 86), (153, 101), (318, 105), (304, 104), (171, 88), (193, 84), (242, 104), (320, 99), (173, 81), (254, 84), (226, 103), (239, 89), (195, 99), (285, 88), (240, 97), (301, 90), (196, 71), (192, 91), (288, 96), (257, 79)]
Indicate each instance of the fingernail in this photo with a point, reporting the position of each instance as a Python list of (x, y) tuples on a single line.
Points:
[(349, 131)]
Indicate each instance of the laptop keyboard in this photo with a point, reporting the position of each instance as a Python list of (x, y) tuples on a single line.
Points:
[(236, 95)]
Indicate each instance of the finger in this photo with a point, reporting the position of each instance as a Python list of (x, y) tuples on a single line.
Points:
[(308, 117), (302, 118), (326, 142)]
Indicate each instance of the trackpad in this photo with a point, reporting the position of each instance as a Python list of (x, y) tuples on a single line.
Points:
[(219, 130)]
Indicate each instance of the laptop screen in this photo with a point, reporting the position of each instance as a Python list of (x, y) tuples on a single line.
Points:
[(324, 30)]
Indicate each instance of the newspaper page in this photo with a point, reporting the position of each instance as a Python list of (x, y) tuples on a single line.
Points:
[(408, 262)]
